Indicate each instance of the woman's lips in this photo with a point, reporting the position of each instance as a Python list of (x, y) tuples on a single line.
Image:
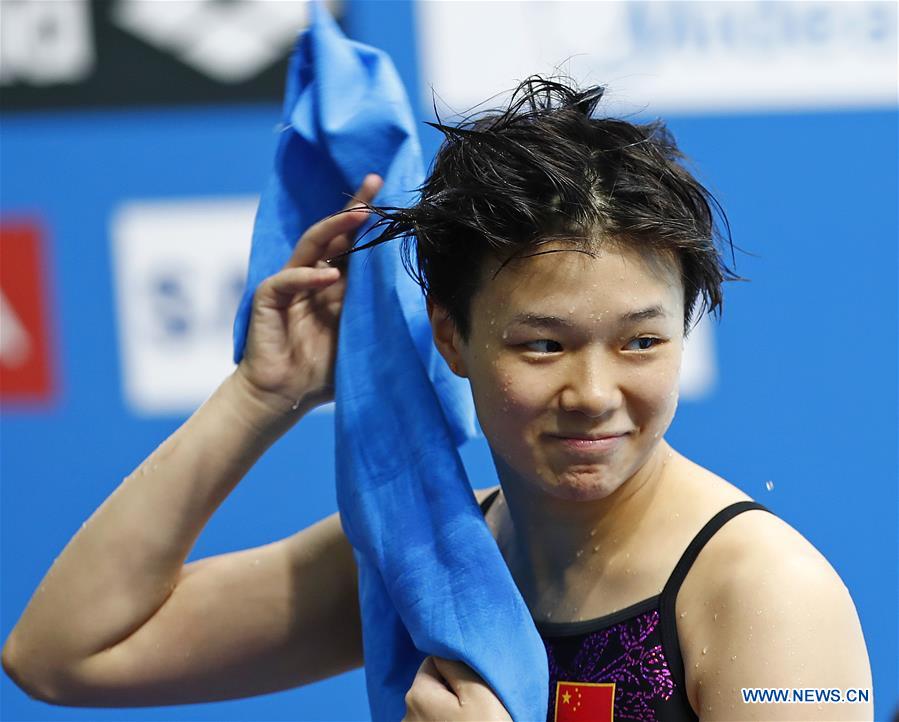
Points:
[(590, 446)]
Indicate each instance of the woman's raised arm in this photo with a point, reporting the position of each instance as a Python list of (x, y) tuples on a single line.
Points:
[(119, 620)]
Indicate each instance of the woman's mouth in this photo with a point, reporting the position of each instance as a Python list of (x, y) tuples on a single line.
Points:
[(592, 444)]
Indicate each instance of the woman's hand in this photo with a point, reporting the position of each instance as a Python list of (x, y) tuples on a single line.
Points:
[(288, 361), (447, 690)]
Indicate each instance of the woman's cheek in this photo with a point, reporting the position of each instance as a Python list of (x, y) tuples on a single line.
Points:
[(507, 405), (655, 392)]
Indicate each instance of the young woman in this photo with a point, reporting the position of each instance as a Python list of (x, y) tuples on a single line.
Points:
[(564, 259)]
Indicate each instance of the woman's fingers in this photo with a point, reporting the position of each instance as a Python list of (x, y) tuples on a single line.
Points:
[(316, 243), (371, 186), (448, 690), (429, 677), (286, 284), (458, 676), (428, 693)]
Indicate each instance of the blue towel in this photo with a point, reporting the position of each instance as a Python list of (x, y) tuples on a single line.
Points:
[(431, 578)]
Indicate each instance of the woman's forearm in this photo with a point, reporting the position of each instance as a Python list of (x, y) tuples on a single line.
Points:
[(124, 562)]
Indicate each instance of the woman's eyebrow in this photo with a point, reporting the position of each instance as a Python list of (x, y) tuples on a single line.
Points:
[(543, 321), (536, 319), (644, 314)]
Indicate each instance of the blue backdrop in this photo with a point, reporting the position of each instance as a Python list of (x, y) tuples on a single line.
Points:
[(805, 398)]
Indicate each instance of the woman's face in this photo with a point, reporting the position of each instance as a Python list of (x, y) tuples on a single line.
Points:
[(573, 362)]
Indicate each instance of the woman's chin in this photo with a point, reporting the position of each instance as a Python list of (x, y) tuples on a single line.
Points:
[(580, 487)]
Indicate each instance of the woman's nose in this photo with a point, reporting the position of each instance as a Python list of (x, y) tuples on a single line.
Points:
[(591, 387)]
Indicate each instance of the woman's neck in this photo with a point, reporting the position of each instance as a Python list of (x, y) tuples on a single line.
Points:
[(558, 550)]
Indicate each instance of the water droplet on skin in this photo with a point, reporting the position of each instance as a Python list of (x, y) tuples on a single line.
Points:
[(595, 549), (593, 532), (705, 649), (769, 485), (295, 405), (715, 617), (579, 552), (733, 658), (682, 615), (255, 562), (696, 665)]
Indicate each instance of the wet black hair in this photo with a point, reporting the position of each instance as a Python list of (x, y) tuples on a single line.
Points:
[(544, 168)]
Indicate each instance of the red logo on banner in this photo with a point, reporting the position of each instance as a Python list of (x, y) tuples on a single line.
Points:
[(25, 368), (584, 702)]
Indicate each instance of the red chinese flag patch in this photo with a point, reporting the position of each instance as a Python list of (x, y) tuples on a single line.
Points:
[(584, 702)]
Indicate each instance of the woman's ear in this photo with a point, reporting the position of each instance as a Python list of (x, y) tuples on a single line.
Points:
[(446, 338)]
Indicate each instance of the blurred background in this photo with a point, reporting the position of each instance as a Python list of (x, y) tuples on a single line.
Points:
[(135, 136)]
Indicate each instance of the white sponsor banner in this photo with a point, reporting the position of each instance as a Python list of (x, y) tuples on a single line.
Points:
[(43, 43), (180, 268), (665, 56), (228, 41), (699, 369)]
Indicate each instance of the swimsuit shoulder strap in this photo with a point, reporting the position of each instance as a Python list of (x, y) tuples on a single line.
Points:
[(668, 598)]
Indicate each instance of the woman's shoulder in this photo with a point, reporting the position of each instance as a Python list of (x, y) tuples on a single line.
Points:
[(755, 561), (761, 606), (750, 547)]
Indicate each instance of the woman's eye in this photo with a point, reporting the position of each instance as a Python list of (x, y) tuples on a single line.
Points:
[(544, 345), (644, 343)]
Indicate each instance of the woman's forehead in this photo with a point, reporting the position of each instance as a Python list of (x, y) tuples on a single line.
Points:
[(613, 276)]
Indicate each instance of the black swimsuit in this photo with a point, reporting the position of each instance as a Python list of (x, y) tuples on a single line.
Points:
[(626, 665)]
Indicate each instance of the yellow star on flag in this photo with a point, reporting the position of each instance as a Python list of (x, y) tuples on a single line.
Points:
[(566, 698)]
